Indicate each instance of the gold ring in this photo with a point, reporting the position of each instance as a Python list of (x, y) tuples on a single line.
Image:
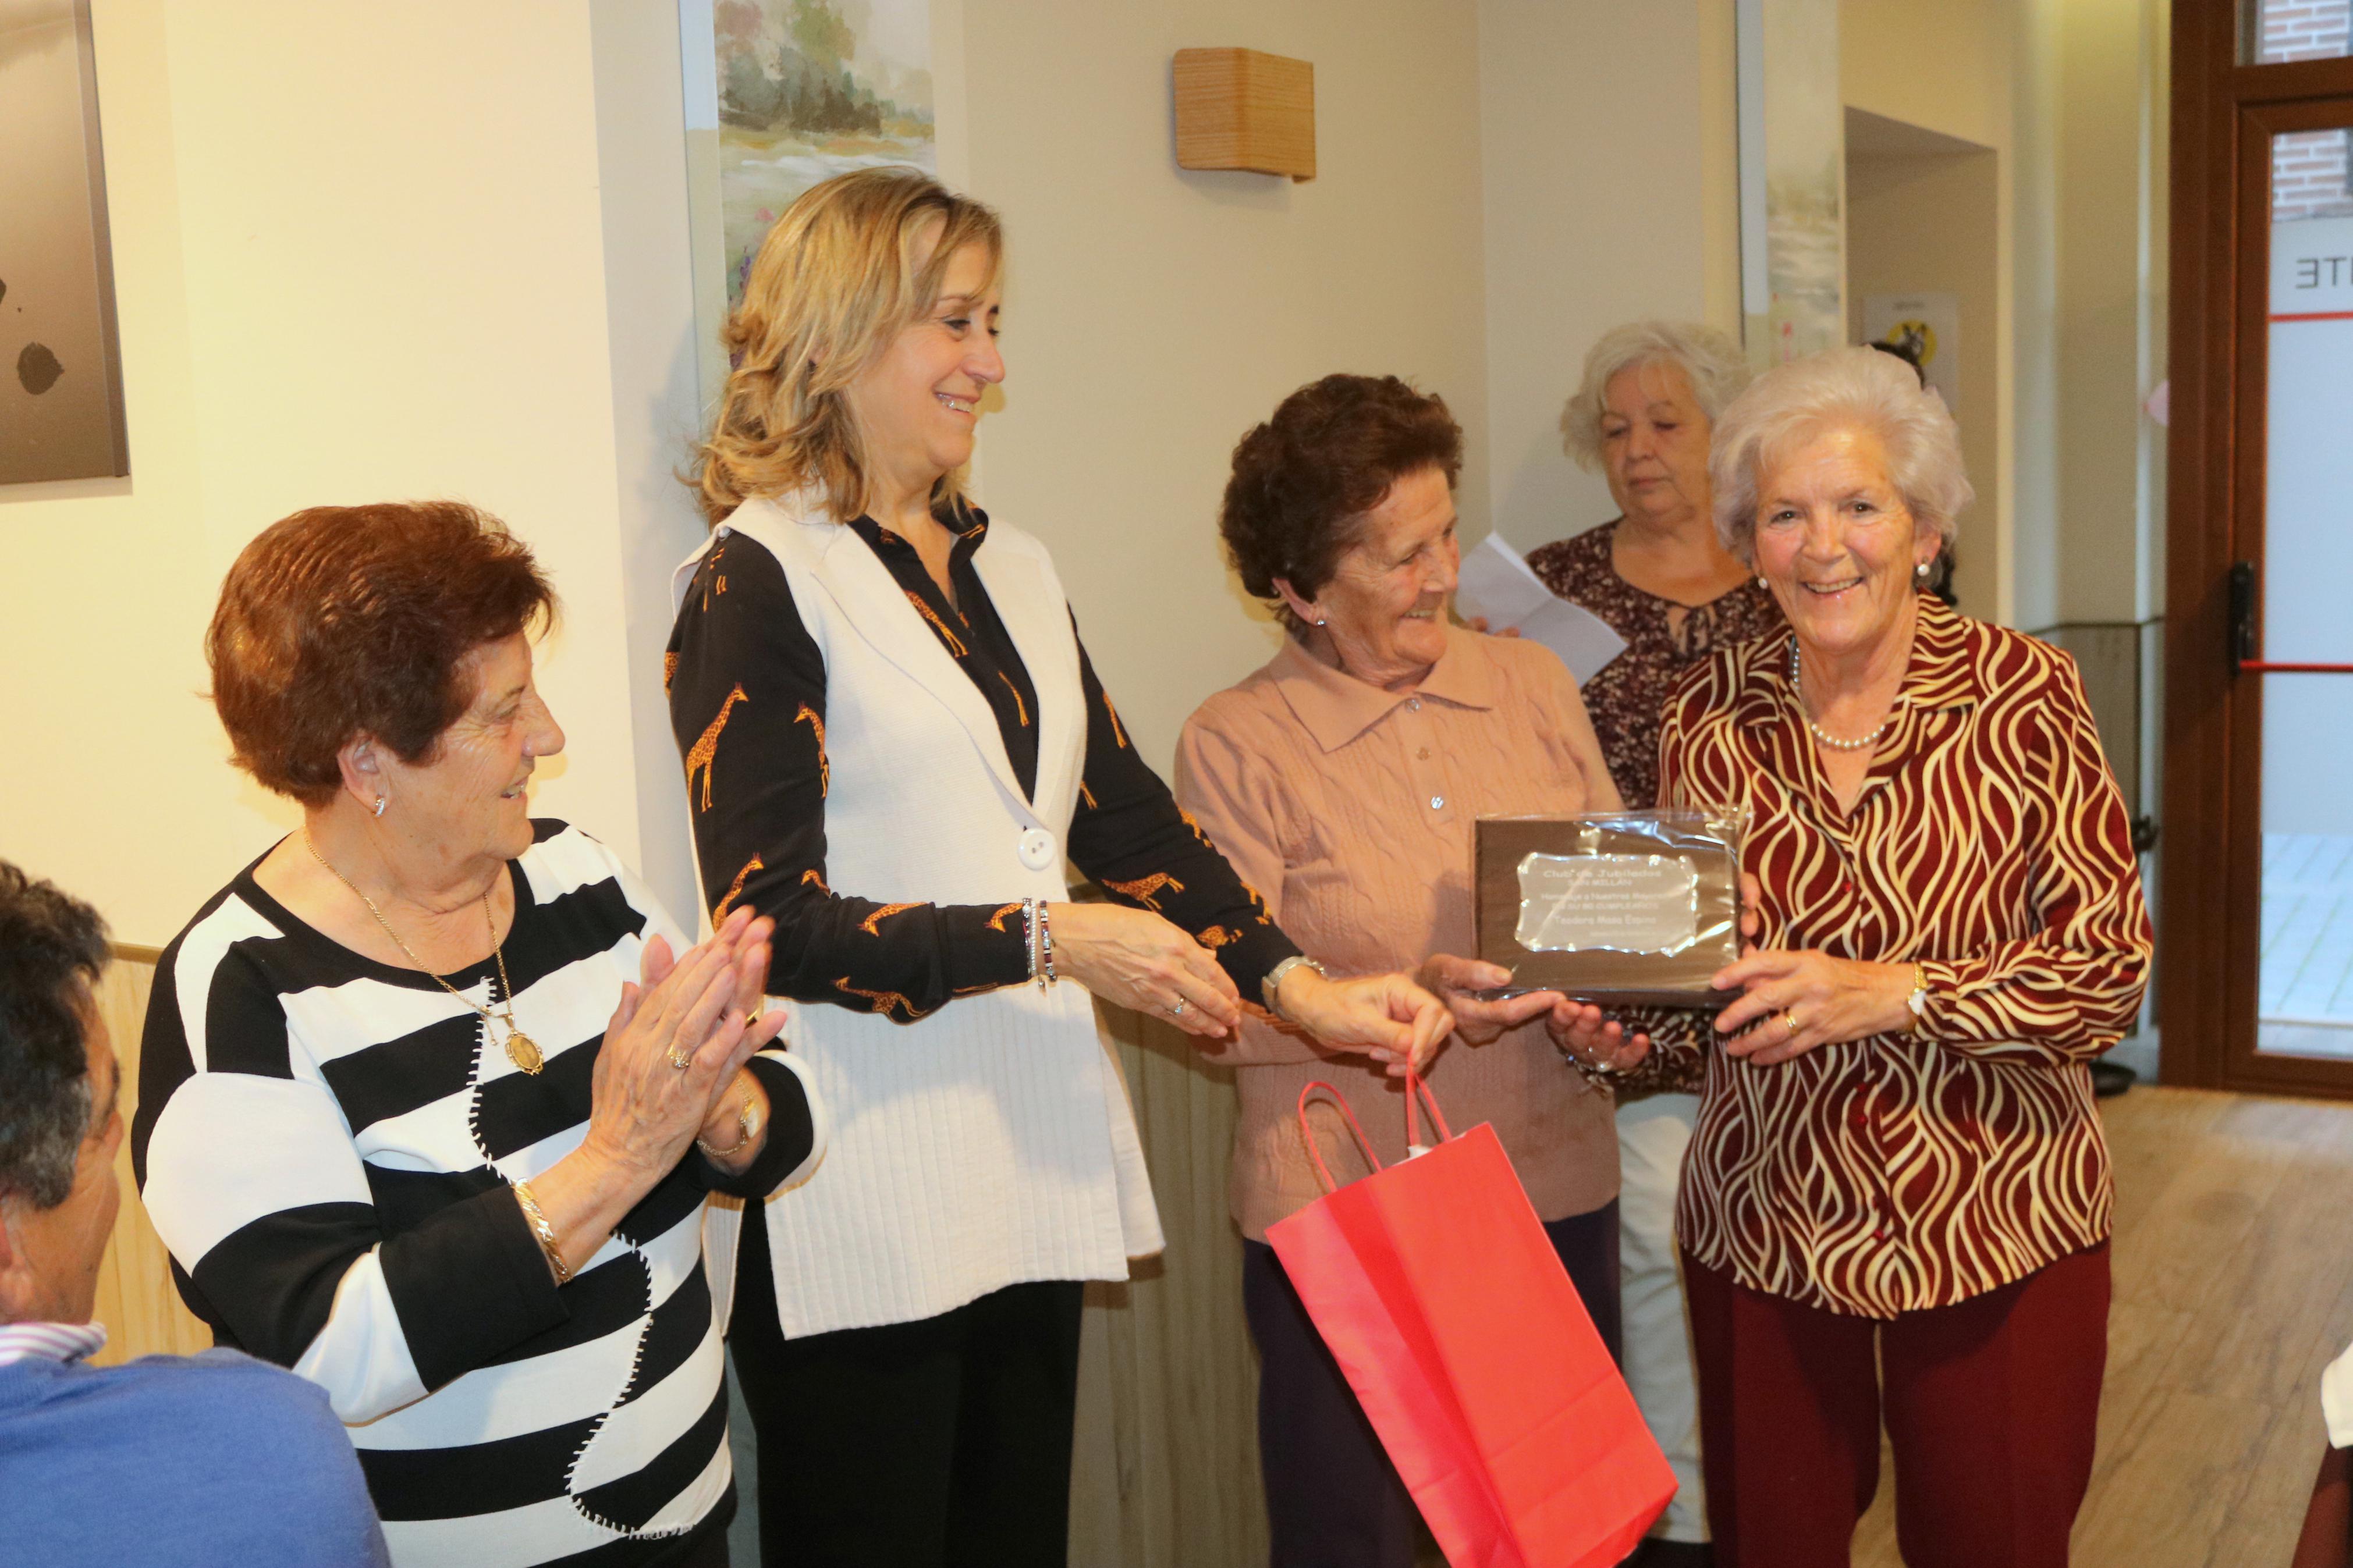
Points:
[(1790, 1019), (679, 1059)]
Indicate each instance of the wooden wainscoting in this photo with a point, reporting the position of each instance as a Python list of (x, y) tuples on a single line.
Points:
[(136, 1300), (1165, 1473)]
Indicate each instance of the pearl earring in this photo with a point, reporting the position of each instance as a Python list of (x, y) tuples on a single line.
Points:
[(380, 801), (1920, 573)]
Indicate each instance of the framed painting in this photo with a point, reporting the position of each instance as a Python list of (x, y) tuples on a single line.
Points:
[(1792, 178), (781, 95), (61, 361)]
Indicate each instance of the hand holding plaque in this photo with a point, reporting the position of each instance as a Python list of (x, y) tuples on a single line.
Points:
[(1636, 908)]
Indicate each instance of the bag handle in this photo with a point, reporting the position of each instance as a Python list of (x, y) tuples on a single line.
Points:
[(1314, 1148), (1414, 1084)]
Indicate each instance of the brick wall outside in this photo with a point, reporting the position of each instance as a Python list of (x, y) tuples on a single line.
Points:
[(2311, 174)]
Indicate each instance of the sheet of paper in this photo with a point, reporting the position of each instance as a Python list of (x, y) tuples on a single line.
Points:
[(1498, 584)]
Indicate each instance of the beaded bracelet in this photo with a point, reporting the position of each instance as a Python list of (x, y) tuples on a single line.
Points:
[(543, 1231), (1046, 975)]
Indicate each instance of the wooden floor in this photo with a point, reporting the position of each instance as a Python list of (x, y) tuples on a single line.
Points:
[(2234, 1261)]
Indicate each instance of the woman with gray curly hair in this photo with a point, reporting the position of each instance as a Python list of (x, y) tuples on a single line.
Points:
[(1642, 417), (1897, 1198)]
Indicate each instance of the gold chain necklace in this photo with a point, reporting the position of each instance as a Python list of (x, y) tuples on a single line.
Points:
[(521, 1049)]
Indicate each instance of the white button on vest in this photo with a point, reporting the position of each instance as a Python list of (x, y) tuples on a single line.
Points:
[(1037, 848)]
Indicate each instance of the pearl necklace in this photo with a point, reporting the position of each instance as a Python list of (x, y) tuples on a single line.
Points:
[(1824, 736)]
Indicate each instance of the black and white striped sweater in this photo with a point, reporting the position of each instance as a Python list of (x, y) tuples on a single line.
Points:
[(325, 1144)]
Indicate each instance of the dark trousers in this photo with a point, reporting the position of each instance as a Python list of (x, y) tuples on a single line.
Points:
[(1333, 1498), (1992, 1406), (944, 1441)]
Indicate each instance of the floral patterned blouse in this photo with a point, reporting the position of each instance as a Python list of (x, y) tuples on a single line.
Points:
[(1664, 639), (1903, 1172)]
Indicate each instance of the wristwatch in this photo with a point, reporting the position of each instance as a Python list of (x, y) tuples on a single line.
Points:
[(1273, 985), (1918, 1000)]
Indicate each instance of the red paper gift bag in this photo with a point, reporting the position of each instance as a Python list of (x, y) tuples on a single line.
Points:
[(1443, 1299)]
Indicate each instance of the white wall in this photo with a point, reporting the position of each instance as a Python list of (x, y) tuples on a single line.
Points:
[(1154, 315), (649, 323), (360, 254), (2070, 94), (109, 775), (1955, 69), (1928, 221), (463, 276), (1603, 205), (2107, 360)]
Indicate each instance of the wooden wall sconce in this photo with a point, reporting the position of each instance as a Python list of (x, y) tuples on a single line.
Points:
[(1238, 108)]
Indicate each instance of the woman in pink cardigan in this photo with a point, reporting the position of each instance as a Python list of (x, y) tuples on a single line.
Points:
[(1342, 781)]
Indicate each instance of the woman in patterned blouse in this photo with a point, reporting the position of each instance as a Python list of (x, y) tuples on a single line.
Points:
[(1898, 1197), (1657, 573)]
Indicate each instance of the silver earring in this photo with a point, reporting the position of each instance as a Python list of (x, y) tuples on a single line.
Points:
[(1319, 620), (380, 804)]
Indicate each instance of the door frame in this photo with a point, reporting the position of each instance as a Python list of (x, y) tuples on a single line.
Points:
[(2210, 883)]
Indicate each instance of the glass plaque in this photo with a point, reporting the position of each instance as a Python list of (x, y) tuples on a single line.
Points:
[(1621, 909)]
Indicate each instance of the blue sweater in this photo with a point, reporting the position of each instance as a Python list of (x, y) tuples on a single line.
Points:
[(193, 1461)]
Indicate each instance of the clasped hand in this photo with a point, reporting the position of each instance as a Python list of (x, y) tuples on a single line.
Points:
[(646, 1107), (1139, 960), (1579, 1029)]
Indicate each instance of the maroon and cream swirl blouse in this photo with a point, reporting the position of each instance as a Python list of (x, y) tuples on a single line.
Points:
[(1899, 1173)]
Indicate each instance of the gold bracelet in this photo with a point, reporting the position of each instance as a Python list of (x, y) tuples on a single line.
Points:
[(1916, 1002), (544, 1231), (742, 1132)]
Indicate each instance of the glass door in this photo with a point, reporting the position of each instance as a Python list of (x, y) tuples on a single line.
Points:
[(2255, 967), (2302, 639)]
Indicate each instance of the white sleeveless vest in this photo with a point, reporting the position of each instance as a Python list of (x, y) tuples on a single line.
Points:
[(989, 1143)]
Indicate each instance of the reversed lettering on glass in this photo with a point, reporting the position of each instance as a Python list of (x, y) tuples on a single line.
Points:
[(1621, 904)]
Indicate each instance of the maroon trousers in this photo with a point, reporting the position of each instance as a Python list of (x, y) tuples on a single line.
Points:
[(1990, 1405)]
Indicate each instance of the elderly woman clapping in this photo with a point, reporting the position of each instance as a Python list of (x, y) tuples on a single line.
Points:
[(1344, 780), (431, 1098), (1898, 1196)]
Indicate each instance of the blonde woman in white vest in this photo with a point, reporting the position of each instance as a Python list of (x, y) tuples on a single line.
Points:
[(894, 746)]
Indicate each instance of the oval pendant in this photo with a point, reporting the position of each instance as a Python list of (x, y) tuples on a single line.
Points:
[(522, 1052)]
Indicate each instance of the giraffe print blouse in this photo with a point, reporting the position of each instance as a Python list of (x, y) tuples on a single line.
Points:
[(1903, 1172), (744, 674)]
